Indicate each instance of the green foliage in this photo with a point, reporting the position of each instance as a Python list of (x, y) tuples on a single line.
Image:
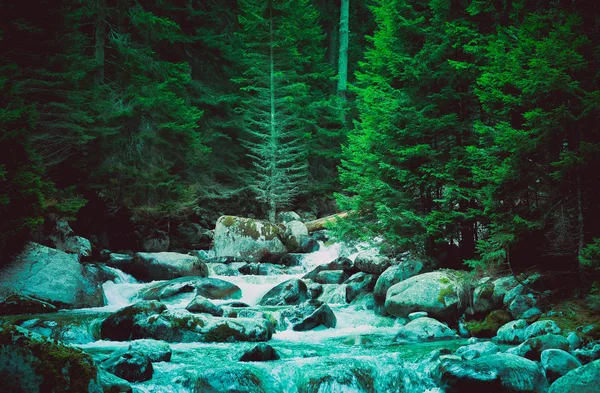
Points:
[(590, 256)]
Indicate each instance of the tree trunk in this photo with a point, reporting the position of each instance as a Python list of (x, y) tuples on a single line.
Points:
[(343, 56), (319, 224)]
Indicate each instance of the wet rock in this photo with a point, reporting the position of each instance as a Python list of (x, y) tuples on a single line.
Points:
[(477, 350), (122, 262), (558, 363), (118, 326), (580, 380), (69, 329), (502, 286), (489, 327), (52, 276), (340, 263), (30, 363), (437, 293), (132, 366), (315, 290), (293, 234), (540, 328), (532, 315), (292, 259), (574, 341), (512, 332), (288, 216), (502, 373), (370, 263), (320, 236), (307, 244), (211, 288), (417, 314), (110, 383), (307, 316), (246, 238), (200, 305), (532, 348), (348, 377), (182, 326), (424, 329), (521, 304), (221, 269), (228, 380), (359, 283), (331, 277), (260, 353), (395, 274), (289, 292), (19, 304), (484, 300), (157, 351), (166, 266), (261, 269), (77, 245), (227, 260)]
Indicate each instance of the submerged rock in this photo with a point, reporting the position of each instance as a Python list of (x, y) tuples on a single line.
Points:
[(20, 304), (231, 380), (148, 266), (118, 326), (424, 329), (260, 353), (348, 377), (307, 316), (156, 350), (211, 288), (289, 292), (580, 380), (132, 366), (558, 363)]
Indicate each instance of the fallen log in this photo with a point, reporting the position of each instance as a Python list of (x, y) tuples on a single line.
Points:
[(319, 224)]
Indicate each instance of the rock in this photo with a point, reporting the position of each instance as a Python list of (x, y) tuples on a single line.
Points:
[(477, 350), (260, 353), (30, 363), (289, 292), (558, 363), (489, 327), (132, 366), (112, 384), (424, 329), (512, 332), (261, 269), (192, 236), (532, 348), (370, 263), (574, 341), (307, 316), (166, 266), (69, 329), (246, 238), (234, 380), (512, 295), (540, 328), (307, 244), (331, 277), (19, 304), (157, 241), (220, 269), (501, 373), (484, 300), (395, 274), (200, 304), (315, 290), (532, 315), (292, 259), (181, 326), (580, 380), (285, 217), (155, 350), (122, 262), (321, 235), (350, 376), (293, 234), (52, 276), (117, 326), (502, 286), (77, 245), (417, 314), (437, 293), (340, 263), (211, 288), (359, 283), (587, 355), (521, 304), (227, 260)]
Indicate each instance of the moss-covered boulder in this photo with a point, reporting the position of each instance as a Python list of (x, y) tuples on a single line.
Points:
[(490, 325), (211, 288), (118, 326), (30, 363), (580, 380), (558, 363), (247, 238), (20, 304), (437, 293), (512, 332)]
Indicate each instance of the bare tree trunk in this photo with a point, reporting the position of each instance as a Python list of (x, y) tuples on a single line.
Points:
[(343, 57), (100, 41), (319, 224)]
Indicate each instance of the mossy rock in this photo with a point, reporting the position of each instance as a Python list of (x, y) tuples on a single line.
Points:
[(490, 325)]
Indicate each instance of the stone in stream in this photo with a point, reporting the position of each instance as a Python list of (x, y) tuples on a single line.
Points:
[(289, 292), (307, 316), (540, 328), (580, 380), (261, 269), (122, 262), (424, 329), (132, 366), (292, 259), (293, 235), (314, 290), (234, 380), (182, 326), (117, 326), (532, 348), (477, 350), (212, 288), (110, 383), (340, 263), (417, 314), (369, 263), (558, 363), (395, 274), (52, 276), (156, 350), (359, 283), (494, 373), (331, 277), (349, 376), (148, 266), (227, 260), (247, 238), (200, 304), (31, 363), (20, 304), (437, 293), (260, 353)]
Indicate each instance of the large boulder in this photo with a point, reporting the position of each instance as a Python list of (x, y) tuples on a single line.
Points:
[(156, 350), (395, 274), (477, 350), (484, 300), (540, 328), (132, 366), (340, 263), (293, 235), (151, 266), (110, 383), (260, 353), (200, 305), (182, 326), (307, 316), (289, 292), (211, 288), (20, 304), (117, 326), (500, 373), (532, 348), (558, 363), (512, 332), (369, 262), (424, 329), (360, 282), (30, 363), (247, 238), (437, 293), (521, 304), (580, 380), (52, 276), (331, 277)]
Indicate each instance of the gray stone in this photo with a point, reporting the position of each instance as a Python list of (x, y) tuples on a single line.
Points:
[(331, 277), (395, 274), (340, 263), (289, 292), (532, 348), (156, 350), (484, 300), (260, 353), (117, 326), (211, 288), (287, 216), (293, 234), (417, 314), (200, 304), (52, 276), (540, 328), (370, 263), (20, 304), (558, 363), (521, 304), (532, 315), (122, 262), (166, 266), (512, 332), (246, 238), (512, 294), (502, 286), (359, 283), (574, 341), (477, 350), (132, 366), (307, 316), (424, 329), (580, 380), (77, 245), (110, 383)]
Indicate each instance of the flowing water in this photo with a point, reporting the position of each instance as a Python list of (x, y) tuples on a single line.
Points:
[(357, 356)]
